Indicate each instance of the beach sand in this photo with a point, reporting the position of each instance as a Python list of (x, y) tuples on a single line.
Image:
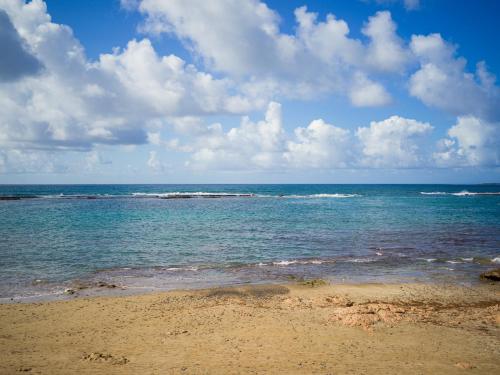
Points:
[(301, 328)]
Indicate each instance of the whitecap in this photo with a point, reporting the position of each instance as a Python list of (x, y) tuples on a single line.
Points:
[(361, 260), (428, 260), (464, 193), (182, 269), (196, 194), (284, 262), (316, 262), (337, 195)]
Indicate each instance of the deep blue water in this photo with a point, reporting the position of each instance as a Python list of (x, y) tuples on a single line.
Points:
[(132, 236)]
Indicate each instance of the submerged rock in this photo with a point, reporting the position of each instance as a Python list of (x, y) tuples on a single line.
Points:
[(481, 260), (105, 357), (103, 284), (492, 275), (314, 283)]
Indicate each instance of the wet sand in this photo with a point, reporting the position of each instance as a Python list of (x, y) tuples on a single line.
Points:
[(289, 329)]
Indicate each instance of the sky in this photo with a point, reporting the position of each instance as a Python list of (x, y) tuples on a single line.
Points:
[(247, 91)]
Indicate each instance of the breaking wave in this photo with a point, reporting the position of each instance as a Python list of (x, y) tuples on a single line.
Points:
[(323, 196), (198, 194), (462, 193), (176, 195)]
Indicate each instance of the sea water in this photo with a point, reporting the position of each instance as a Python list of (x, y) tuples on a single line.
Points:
[(159, 237)]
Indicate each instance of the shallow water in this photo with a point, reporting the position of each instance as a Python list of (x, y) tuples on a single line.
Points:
[(179, 236)]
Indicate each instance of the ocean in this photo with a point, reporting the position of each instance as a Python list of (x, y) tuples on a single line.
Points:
[(161, 237)]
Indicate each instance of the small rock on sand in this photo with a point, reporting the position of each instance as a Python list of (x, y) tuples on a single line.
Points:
[(464, 365), (104, 357), (492, 275)]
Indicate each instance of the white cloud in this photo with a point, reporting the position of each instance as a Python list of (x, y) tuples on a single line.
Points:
[(327, 41), (249, 26), (243, 40), (393, 143), (18, 62), (154, 163), (32, 161), (366, 93), (386, 50), (75, 103), (251, 145), (443, 82), (472, 142), (320, 145), (55, 99)]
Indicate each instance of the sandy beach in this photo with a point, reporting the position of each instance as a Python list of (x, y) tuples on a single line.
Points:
[(301, 328)]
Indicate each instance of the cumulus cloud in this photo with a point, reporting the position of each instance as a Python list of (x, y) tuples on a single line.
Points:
[(251, 145), (75, 103), (16, 61), (386, 50), (443, 81), (54, 98), (366, 93), (471, 142), (393, 142), (243, 39), (327, 41), (319, 145)]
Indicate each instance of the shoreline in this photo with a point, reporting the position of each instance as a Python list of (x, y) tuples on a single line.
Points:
[(340, 270), (78, 288), (263, 328)]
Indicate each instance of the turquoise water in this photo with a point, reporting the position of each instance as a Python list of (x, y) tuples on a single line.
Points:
[(171, 236)]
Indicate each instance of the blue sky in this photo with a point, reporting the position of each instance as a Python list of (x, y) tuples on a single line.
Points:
[(148, 91)]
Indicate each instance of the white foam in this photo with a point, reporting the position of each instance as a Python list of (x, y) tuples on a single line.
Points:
[(463, 193), (323, 196), (496, 260), (201, 194), (182, 269), (304, 261), (361, 260), (466, 193), (284, 262), (428, 260), (316, 262)]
